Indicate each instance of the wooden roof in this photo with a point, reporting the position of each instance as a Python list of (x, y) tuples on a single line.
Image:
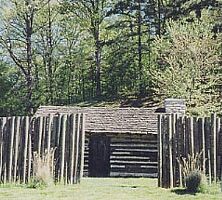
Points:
[(111, 120)]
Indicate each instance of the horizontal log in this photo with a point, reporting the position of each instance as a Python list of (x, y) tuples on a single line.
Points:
[(131, 145), (139, 166), (133, 153), (122, 174), (134, 170), (129, 158), (133, 140), (135, 150), (132, 162)]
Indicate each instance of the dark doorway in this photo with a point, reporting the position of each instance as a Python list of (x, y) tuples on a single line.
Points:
[(99, 156)]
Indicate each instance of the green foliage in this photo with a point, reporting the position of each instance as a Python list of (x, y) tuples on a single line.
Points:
[(106, 50), (37, 184), (189, 66), (213, 188)]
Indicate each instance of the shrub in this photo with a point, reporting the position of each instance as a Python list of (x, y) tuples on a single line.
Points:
[(193, 181)]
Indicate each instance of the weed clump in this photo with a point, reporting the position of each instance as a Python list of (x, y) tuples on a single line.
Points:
[(42, 170), (194, 178)]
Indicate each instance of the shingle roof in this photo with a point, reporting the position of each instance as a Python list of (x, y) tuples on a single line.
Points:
[(111, 120)]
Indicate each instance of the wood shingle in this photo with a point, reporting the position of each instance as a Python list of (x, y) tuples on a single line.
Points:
[(111, 120)]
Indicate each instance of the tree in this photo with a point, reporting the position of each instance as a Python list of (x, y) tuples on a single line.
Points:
[(47, 41), (10, 88), (92, 14), (134, 31), (17, 31), (188, 57), (71, 79)]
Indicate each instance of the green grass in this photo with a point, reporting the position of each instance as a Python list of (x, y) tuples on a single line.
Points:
[(104, 189)]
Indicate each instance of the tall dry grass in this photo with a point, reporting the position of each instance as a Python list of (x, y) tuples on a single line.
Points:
[(193, 162), (43, 168)]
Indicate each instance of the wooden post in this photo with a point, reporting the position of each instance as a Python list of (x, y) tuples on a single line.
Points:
[(25, 148), (1, 145), (57, 145), (180, 175), (83, 145), (43, 141), (186, 136), (17, 136), (49, 139), (209, 167), (77, 150), (160, 152), (49, 134), (1, 141), (202, 121), (55, 121), (165, 154), (5, 173), (50, 122), (66, 173), (63, 139), (182, 143), (170, 151), (40, 135), (173, 122), (7, 146), (180, 153), (197, 135), (191, 136), (73, 140), (218, 148), (68, 148), (11, 148), (214, 145), (59, 129), (29, 155), (221, 181), (3, 162)]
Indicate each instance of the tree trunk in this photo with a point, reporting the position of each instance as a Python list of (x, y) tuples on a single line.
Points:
[(159, 19), (29, 78), (49, 57), (139, 50), (98, 64)]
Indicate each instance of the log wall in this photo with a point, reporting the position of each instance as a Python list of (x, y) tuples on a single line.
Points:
[(183, 136), (21, 138), (131, 155)]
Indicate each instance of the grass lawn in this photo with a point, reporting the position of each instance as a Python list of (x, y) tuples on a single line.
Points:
[(103, 189)]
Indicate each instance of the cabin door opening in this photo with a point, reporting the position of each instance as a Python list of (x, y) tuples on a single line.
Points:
[(99, 156)]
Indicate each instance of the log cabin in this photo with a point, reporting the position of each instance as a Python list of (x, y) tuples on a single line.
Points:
[(119, 142)]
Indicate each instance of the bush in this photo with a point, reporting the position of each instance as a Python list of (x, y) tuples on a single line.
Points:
[(193, 181)]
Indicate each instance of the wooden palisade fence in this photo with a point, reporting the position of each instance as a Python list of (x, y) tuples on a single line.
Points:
[(180, 136), (22, 137)]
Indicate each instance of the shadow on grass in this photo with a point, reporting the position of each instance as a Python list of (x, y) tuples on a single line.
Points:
[(131, 186), (181, 191)]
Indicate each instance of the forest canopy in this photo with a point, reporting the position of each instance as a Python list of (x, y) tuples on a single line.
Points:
[(64, 52)]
